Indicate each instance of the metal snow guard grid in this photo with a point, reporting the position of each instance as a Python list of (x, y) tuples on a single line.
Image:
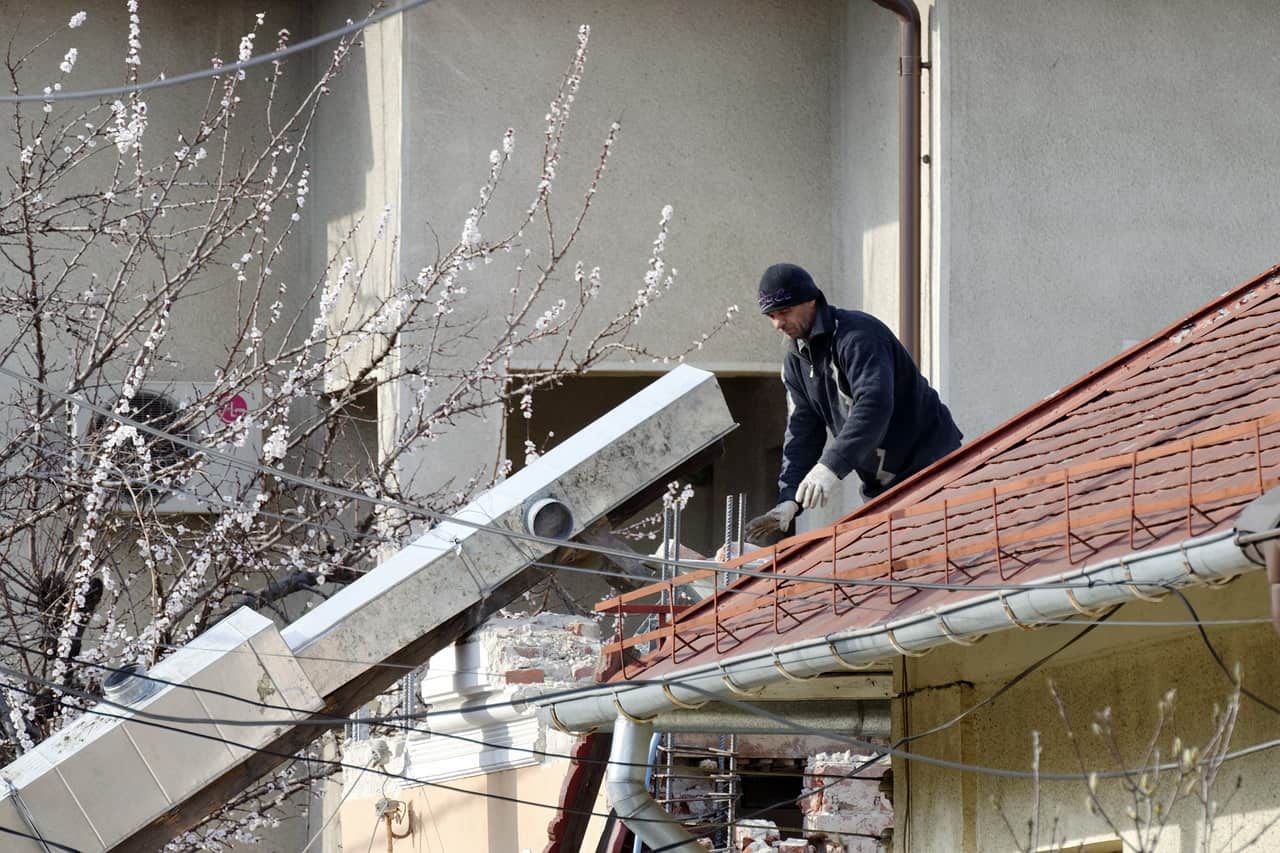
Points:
[(1095, 509)]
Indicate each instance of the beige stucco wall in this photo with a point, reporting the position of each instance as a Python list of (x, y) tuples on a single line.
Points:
[(464, 815), (1126, 669)]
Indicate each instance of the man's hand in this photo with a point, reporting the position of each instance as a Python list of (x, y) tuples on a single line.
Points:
[(815, 489), (776, 520)]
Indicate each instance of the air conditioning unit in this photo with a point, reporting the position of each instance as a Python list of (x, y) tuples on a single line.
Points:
[(180, 479)]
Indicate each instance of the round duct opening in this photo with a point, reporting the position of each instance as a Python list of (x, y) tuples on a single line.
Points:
[(126, 685), (549, 518)]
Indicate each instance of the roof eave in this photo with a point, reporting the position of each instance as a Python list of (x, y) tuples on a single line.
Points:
[(1208, 559)]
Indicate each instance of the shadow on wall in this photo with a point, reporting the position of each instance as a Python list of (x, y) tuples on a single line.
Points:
[(865, 126)]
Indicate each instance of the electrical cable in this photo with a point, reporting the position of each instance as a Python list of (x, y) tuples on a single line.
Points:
[(515, 535), (389, 540), (43, 841), (1217, 658), (389, 721), (591, 813), (1006, 687), (138, 718), (786, 725), (642, 558), (218, 71), (764, 658)]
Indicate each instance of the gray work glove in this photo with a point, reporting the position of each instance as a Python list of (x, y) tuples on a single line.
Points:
[(816, 487), (776, 520)]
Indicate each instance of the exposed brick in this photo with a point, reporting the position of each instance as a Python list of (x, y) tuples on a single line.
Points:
[(584, 672), (793, 845), (574, 628), (526, 651), (525, 676)]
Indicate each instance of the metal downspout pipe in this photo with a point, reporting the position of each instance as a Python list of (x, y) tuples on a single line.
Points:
[(909, 161), (629, 797)]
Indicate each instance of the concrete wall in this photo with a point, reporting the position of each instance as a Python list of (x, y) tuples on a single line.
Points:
[(176, 38), (725, 114), (1127, 669), (1108, 167)]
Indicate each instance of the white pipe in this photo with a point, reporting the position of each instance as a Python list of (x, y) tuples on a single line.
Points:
[(1143, 574), (624, 783)]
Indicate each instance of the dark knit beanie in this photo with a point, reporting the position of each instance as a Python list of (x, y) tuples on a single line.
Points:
[(784, 285)]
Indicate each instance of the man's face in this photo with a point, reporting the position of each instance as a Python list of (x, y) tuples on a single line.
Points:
[(795, 321)]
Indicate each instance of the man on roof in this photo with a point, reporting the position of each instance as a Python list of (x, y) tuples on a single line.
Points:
[(844, 372)]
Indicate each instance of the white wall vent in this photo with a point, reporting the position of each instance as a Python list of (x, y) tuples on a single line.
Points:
[(180, 479)]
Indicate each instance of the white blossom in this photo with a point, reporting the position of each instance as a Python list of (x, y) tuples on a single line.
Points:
[(274, 448), (77, 19), (69, 61), (471, 230)]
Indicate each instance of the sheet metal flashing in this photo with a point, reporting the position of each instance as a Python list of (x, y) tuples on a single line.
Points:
[(92, 783), (105, 783)]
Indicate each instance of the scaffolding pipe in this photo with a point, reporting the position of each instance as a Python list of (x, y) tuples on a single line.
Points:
[(859, 718)]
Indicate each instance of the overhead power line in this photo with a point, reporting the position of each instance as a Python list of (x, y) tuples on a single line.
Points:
[(784, 724), (229, 68), (878, 750), (516, 535)]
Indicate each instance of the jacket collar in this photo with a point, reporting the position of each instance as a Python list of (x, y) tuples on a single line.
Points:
[(823, 325)]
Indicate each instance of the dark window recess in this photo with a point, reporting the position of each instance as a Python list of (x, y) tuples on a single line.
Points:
[(774, 797)]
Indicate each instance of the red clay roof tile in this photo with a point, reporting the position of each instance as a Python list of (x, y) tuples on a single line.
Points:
[(1165, 442)]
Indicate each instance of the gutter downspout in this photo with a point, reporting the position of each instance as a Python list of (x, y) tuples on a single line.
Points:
[(909, 161), (628, 763), (1258, 535)]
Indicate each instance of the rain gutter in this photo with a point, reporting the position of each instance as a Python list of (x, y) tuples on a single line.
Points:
[(1144, 574), (909, 165)]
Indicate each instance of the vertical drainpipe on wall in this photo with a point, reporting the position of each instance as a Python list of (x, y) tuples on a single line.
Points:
[(909, 161), (909, 166)]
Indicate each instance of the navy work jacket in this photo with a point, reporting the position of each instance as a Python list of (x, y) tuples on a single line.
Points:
[(853, 377)]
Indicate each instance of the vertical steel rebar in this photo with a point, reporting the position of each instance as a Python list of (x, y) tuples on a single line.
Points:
[(668, 739), (666, 539), (724, 836), (728, 527), (732, 817), (722, 578), (742, 524)]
